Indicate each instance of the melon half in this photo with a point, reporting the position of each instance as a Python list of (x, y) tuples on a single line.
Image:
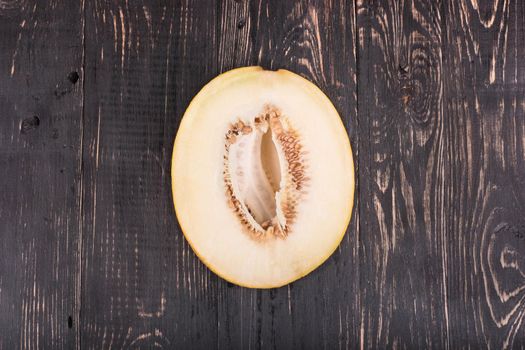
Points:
[(262, 177)]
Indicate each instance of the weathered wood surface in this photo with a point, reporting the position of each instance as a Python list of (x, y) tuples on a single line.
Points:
[(432, 94), (40, 173)]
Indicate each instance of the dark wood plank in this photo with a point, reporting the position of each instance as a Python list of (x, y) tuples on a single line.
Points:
[(40, 137), (484, 162), (402, 124), (316, 40), (142, 285)]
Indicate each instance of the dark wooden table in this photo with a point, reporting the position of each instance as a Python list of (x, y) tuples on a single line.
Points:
[(432, 94)]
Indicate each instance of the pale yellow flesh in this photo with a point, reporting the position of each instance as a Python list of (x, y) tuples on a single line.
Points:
[(211, 228)]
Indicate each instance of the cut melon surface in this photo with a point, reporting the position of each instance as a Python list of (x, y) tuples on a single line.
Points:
[(262, 177)]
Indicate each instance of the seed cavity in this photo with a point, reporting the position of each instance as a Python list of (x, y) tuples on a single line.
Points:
[(265, 174)]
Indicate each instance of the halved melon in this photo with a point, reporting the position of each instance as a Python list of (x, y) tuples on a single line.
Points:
[(262, 177)]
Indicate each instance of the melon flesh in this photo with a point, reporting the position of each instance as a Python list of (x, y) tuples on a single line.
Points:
[(262, 177)]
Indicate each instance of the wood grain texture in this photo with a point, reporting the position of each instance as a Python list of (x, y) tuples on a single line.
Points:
[(40, 136), (316, 40), (440, 89), (485, 168), (402, 183), (142, 285), (432, 94)]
